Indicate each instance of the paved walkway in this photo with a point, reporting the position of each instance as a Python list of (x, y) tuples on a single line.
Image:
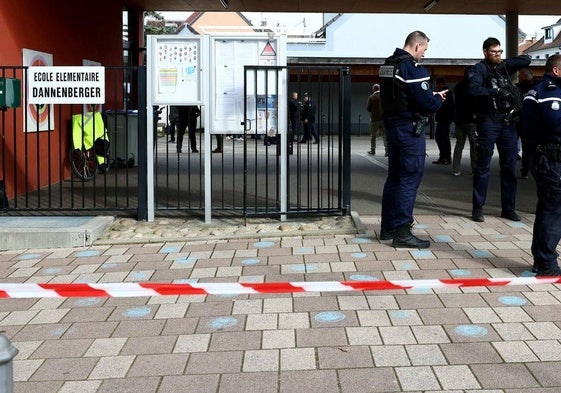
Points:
[(481, 339)]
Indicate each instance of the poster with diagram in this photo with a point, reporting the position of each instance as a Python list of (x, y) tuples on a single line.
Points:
[(236, 91), (267, 114), (38, 117), (177, 70)]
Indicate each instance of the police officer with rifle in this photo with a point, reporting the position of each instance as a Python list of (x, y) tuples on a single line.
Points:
[(498, 107)]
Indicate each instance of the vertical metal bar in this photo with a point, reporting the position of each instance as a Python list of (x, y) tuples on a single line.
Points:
[(25, 147), (49, 163), (266, 143), (346, 132), (142, 212), (245, 117), (62, 128), (257, 139), (3, 139), (115, 141), (281, 146)]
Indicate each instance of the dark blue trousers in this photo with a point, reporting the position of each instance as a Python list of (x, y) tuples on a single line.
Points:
[(406, 163), (442, 138), (505, 137), (547, 224)]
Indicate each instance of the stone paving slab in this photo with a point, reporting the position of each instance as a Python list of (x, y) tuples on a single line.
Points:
[(483, 339)]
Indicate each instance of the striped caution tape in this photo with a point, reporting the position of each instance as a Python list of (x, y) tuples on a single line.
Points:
[(25, 290)]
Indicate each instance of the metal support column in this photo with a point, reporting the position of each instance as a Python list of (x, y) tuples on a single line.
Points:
[(511, 44)]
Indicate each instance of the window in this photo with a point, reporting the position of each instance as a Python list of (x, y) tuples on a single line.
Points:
[(548, 34)]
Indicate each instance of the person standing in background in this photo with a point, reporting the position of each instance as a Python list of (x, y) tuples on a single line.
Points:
[(188, 116), (293, 115), (374, 106), (173, 118), (308, 116), (444, 118), (465, 124)]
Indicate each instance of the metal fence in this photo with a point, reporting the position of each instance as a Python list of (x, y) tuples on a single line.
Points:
[(36, 158), (37, 152)]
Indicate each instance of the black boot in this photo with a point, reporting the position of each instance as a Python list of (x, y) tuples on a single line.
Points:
[(405, 239), (386, 234)]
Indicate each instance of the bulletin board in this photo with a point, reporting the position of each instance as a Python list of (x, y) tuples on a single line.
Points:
[(176, 70), (229, 55)]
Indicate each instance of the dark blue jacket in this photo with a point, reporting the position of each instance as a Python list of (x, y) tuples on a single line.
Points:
[(406, 93), (480, 84), (541, 113), (464, 103)]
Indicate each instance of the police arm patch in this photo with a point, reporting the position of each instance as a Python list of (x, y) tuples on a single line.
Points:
[(425, 85)]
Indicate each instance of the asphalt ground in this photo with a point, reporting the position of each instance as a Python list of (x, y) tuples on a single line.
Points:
[(440, 192)]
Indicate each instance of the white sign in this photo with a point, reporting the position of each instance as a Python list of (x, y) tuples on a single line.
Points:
[(66, 85)]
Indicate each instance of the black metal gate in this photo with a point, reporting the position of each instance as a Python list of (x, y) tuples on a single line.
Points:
[(246, 168), (315, 177)]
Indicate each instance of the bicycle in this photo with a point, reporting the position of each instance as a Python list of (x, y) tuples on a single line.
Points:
[(89, 147)]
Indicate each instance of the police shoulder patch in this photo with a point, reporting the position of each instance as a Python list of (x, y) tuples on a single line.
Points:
[(532, 92), (555, 105), (425, 85)]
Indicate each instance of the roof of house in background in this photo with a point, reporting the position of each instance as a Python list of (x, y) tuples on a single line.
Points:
[(206, 22), (540, 44)]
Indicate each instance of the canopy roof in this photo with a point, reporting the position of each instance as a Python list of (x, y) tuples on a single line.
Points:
[(488, 7)]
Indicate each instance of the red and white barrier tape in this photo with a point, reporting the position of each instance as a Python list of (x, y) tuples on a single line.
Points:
[(24, 290)]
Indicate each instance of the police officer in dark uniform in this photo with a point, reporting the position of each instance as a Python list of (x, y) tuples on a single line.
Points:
[(497, 106), (406, 97), (188, 116), (308, 117), (294, 115), (542, 133)]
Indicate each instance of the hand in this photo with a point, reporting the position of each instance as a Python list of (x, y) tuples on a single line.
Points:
[(441, 93)]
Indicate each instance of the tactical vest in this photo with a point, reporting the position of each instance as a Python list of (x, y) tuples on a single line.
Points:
[(498, 78), (393, 92)]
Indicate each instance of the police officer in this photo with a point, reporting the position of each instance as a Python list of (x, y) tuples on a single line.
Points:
[(308, 117), (497, 103), (542, 134), (406, 96), (188, 121)]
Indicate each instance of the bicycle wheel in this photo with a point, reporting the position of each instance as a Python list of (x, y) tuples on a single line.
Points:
[(83, 163)]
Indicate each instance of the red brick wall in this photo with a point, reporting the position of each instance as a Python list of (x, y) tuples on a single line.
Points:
[(70, 31)]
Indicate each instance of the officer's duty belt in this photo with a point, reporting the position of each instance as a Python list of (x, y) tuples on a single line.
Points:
[(552, 151)]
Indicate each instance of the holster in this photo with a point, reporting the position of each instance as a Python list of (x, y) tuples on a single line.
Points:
[(419, 125)]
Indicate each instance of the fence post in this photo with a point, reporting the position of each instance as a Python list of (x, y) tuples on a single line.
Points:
[(346, 119), (142, 213), (7, 354)]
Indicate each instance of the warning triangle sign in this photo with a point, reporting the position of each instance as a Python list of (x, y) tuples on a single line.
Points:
[(268, 50)]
